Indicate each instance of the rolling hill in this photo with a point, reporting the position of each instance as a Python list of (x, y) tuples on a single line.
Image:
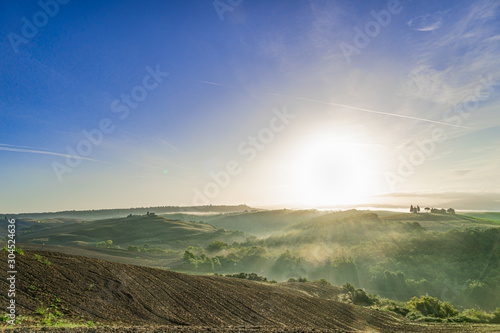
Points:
[(261, 223), (55, 286), (155, 231)]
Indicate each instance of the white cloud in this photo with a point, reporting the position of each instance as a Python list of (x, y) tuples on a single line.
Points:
[(449, 64), (428, 22)]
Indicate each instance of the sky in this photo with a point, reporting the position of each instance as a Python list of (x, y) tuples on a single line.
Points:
[(299, 104)]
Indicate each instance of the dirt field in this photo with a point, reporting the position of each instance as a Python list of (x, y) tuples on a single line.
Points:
[(86, 289)]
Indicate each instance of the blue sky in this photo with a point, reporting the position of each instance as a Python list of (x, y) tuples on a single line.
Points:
[(359, 121)]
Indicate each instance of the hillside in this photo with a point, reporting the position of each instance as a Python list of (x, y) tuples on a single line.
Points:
[(493, 216), (261, 223), (76, 288), (156, 231), (23, 225), (444, 222)]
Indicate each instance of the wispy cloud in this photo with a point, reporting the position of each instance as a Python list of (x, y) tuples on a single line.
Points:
[(449, 64), (372, 111), (43, 152), (428, 22), (16, 146)]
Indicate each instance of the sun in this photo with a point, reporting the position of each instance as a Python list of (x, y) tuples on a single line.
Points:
[(331, 171)]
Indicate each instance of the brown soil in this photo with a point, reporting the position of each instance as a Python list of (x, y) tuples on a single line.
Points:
[(109, 293)]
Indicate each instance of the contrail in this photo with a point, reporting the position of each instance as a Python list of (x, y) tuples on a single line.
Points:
[(212, 83), (46, 153), (373, 111), (16, 146)]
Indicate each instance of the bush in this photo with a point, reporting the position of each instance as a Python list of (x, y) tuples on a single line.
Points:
[(431, 306), (359, 297), (106, 244), (349, 288), (496, 316), (481, 316), (323, 282), (133, 248)]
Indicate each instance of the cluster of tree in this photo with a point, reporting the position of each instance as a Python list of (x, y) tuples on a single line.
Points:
[(442, 211), (299, 279), (154, 250), (106, 244), (250, 276), (416, 209), (217, 246), (200, 263)]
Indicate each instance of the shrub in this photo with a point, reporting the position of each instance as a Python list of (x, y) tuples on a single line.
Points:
[(482, 316), (349, 288), (41, 311), (323, 282), (496, 316), (133, 248), (106, 244), (359, 297), (431, 306)]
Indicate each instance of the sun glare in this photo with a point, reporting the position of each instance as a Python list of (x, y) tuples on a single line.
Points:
[(331, 171)]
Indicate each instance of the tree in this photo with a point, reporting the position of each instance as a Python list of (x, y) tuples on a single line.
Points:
[(411, 208), (451, 211), (427, 209), (216, 246), (418, 208), (188, 256)]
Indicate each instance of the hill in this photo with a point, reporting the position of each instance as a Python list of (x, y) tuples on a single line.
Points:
[(25, 225), (53, 286), (111, 213), (155, 231), (261, 223), (445, 222), (493, 216)]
